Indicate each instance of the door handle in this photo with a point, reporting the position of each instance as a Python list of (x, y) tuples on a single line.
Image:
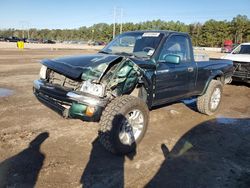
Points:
[(190, 69)]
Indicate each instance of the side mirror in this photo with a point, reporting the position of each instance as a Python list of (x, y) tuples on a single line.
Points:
[(172, 58)]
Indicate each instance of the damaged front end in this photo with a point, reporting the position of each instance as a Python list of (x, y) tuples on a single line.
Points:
[(83, 92)]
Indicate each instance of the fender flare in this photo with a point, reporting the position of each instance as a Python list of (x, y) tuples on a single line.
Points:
[(215, 74)]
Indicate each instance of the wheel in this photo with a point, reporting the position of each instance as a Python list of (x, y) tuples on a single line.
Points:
[(123, 124), (209, 102)]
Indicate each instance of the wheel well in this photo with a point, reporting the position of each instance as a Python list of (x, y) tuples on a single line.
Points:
[(220, 78), (217, 77), (140, 92)]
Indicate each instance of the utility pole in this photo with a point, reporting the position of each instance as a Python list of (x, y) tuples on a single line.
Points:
[(25, 28), (28, 29), (114, 22), (22, 25), (93, 34), (121, 20)]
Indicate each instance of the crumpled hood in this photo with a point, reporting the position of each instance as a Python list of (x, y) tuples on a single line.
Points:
[(74, 66)]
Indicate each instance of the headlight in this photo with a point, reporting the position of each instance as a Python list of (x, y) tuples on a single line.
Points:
[(43, 72), (91, 88)]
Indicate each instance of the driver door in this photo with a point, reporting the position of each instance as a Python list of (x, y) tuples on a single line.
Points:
[(173, 78)]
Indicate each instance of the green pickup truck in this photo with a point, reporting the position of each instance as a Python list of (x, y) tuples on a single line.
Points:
[(120, 84)]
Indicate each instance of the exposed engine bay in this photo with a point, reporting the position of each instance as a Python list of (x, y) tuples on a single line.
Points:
[(115, 78)]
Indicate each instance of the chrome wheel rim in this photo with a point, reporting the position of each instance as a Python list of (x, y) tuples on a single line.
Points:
[(215, 99), (132, 127)]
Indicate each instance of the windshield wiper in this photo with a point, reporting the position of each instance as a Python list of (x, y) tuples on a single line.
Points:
[(103, 52), (124, 54)]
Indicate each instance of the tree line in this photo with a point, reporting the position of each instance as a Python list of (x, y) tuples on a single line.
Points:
[(212, 33)]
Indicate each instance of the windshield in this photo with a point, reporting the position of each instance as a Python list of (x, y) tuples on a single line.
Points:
[(137, 44), (242, 49)]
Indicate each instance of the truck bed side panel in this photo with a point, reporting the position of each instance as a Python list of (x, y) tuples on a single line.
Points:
[(207, 70)]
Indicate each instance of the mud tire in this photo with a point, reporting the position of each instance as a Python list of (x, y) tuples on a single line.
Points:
[(110, 123), (204, 101)]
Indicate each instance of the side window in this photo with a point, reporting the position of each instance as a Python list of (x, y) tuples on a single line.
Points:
[(177, 45)]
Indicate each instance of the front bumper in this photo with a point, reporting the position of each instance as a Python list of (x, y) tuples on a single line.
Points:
[(243, 76), (69, 103)]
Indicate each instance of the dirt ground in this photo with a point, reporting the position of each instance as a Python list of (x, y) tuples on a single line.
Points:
[(182, 148), (56, 46)]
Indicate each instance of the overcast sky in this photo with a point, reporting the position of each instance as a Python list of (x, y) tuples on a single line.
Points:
[(61, 14)]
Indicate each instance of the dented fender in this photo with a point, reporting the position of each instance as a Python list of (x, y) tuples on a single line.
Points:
[(127, 75), (122, 78)]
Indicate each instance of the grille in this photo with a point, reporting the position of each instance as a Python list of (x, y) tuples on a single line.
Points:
[(241, 66), (61, 80)]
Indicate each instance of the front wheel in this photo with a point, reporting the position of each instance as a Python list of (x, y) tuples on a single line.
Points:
[(209, 102), (123, 124)]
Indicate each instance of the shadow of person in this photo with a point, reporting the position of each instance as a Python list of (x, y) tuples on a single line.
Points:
[(105, 169), (22, 169), (215, 153)]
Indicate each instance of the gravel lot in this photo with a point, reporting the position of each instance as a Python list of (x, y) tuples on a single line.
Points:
[(182, 148)]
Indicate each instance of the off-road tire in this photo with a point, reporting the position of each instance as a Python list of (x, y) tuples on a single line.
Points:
[(110, 123), (204, 101)]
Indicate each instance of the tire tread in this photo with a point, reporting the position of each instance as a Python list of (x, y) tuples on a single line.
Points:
[(203, 101), (113, 108)]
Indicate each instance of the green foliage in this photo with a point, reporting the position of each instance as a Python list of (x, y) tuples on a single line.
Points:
[(212, 33), (240, 28)]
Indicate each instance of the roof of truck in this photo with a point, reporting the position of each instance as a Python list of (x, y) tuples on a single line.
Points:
[(156, 31)]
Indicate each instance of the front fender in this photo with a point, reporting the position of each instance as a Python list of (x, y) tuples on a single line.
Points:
[(148, 81)]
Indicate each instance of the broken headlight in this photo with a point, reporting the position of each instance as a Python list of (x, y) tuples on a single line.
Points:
[(92, 88), (43, 72)]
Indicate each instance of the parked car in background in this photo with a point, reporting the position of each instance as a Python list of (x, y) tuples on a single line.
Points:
[(101, 43), (12, 39), (32, 40), (46, 41), (96, 43), (241, 61), (23, 39), (91, 43), (2, 39)]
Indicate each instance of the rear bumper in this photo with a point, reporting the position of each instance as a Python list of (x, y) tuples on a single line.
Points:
[(68, 103)]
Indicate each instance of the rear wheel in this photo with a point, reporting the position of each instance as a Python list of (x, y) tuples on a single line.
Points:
[(123, 124), (209, 102)]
